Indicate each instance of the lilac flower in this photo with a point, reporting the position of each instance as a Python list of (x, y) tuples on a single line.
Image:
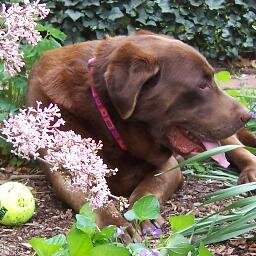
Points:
[(19, 24), (35, 129)]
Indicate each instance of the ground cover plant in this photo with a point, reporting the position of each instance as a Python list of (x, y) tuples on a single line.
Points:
[(189, 235), (219, 29)]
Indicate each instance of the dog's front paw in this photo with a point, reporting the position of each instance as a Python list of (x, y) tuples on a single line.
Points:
[(247, 175)]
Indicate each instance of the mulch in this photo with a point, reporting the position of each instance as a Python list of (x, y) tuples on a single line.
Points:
[(52, 217)]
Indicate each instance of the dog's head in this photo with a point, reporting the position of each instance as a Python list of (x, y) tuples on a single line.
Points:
[(170, 86)]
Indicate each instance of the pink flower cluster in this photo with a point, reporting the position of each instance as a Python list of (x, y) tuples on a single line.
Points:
[(34, 129), (19, 23)]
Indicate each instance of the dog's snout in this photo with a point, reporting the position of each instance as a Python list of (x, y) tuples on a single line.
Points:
[(245, 117)]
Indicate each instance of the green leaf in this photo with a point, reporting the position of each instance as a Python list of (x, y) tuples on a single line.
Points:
[(202, 156), (86, 220), (165, 6), (85, 224), (58, 239), (215, 4), (147, 208), (178, 245), (74, 15), (203, 251), (222, 76), (181, 222), (230, 192), (234, 229), (105, 234), (115, 13), (108, 250), (131, 215), (79, 243), (87, 211), (56, 33), (251, 201), (136, 248), (47, 247)]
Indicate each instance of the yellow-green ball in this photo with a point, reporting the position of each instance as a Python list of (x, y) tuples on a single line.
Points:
[(17, 204)]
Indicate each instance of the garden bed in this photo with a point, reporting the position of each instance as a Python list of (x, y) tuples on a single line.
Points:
[(52, 217)]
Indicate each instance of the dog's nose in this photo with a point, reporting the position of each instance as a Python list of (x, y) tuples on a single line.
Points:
[(246, 117)]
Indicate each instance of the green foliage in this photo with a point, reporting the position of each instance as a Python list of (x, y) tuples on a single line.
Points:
[(202, 156), (84, 238), (104, 242), (222, 76), (225, 224), (219, 29), (146, 208)]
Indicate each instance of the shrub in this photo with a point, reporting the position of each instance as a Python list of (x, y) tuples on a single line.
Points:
[(219, 29)]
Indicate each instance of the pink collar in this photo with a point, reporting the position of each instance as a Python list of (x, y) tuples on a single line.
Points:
[(103, 111)]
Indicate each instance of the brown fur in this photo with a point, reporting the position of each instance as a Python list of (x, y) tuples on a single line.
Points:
[(148, 83)]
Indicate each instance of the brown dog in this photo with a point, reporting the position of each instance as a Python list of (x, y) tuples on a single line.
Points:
[(161, 96)]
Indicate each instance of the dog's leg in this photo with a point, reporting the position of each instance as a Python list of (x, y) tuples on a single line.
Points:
[(162, 186), (107, 215), (243, 159)]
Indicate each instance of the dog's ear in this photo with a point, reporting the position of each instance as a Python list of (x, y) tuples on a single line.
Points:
[(129, 69)]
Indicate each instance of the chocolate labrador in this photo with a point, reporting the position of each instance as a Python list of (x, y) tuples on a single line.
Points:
[(160, 97)]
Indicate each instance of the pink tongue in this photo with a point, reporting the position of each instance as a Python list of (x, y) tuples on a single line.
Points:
[(220, 158)]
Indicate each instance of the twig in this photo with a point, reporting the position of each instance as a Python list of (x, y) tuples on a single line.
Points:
[(27, 176)]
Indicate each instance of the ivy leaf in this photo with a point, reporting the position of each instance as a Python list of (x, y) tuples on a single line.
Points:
[(115, 13), (164, 5), (74, 15), (196, 2), (215, 4)]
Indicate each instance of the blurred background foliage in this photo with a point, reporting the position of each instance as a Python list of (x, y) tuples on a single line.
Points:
[(220, 29)]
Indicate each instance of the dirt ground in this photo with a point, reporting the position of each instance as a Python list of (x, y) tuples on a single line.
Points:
[(53, 217)]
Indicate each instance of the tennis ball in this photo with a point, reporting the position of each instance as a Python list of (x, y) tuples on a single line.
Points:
[(17, 204)]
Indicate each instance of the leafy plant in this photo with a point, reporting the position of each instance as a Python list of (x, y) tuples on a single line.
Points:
[(188, 234), (219, 29), (85, 238)]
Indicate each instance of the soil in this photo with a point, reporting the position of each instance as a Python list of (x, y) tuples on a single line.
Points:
[(52, 217)]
